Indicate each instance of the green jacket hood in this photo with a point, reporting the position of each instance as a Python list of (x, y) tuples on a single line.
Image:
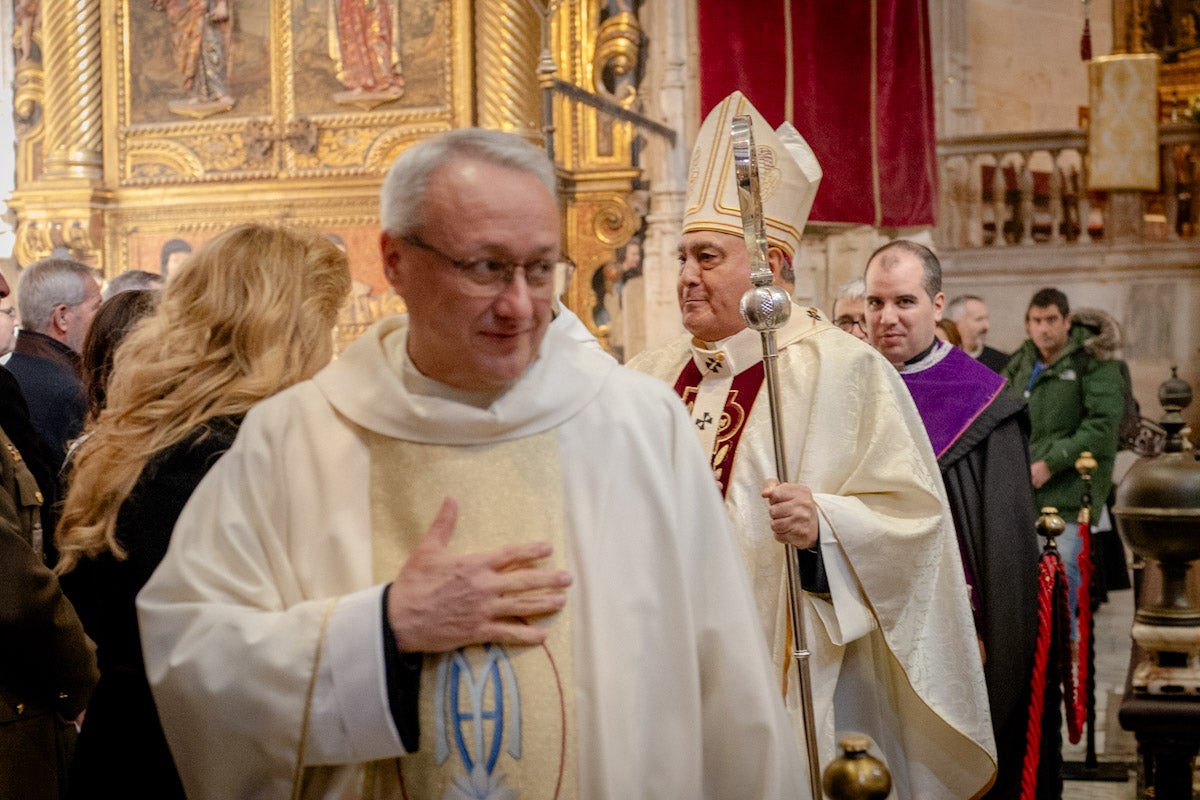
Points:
[(1091, 329)]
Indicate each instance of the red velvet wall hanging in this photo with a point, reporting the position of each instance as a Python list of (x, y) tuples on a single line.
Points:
[(855, 79)]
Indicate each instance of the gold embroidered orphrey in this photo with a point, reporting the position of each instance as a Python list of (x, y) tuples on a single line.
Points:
[(491, 718)]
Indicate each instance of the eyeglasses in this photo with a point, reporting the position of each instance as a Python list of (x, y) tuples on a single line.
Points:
[(848, 324), (484, 277)]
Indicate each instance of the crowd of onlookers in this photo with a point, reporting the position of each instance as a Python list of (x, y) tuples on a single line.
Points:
[(1068, 371), (290, 627), (116, 403)]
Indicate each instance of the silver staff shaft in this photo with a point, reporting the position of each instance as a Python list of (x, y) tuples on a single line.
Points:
[(766, 308)]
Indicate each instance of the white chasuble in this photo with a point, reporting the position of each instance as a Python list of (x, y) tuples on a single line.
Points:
[(263, 625), (894, 653), (496, 721)]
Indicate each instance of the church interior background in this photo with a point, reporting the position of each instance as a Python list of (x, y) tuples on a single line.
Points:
[(136, 129)]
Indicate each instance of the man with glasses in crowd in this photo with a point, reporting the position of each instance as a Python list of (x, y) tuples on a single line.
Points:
[(472, 555), (849, 308)]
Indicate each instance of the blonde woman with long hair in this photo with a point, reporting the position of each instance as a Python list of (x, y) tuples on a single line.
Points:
[(249, 314)]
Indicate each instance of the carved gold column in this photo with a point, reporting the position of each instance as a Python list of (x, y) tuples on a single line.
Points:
[(595, 151), (71, 59), (508, 36), (64, 206)]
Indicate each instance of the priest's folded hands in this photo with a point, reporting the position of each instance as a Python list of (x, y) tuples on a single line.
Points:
[(442, 601), (793, 513)]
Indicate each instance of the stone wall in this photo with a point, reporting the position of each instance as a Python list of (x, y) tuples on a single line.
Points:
[(1024, 58)]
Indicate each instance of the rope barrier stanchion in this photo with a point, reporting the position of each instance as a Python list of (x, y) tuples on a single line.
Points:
[(1047, 566), (1083, 710), (1052, 603), (1082, 706)]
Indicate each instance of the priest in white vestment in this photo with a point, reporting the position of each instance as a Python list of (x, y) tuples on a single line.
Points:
[(894, 653), (472, 558)]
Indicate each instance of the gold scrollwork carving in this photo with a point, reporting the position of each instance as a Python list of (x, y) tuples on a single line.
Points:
[(345, 147), (613, 223), (220, 153), (614, 63), (200, 158), (362, 144), (28, 91), (32, 242), (37, 239), (163, 159), (75, 235), (28, 97)]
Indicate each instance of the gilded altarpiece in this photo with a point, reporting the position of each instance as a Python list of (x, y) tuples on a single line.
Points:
[(151, 125), (599, 49), (290, 141), (1170, 28)]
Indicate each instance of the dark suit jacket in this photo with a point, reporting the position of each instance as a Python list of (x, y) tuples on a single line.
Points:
[(47, 665), (993, 359), (48, 373)]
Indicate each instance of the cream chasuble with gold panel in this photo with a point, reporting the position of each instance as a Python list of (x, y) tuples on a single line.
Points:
[(496, 718), (262, 629)]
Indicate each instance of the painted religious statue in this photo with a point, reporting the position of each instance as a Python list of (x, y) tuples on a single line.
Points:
[(27, 15), (364, 43), (201, 31)]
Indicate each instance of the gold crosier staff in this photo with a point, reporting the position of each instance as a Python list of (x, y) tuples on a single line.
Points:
[(766, 308)]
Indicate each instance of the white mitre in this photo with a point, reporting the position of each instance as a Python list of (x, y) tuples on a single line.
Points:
[(788, 176)]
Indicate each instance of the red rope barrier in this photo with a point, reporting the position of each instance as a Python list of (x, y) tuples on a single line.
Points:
[(1048, 567), (1052, 602), (1084, 604), (1065, 667)]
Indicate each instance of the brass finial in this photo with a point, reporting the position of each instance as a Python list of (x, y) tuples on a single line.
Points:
[(856, 774), (1050, 525), (1174, 395), (1086, 464)]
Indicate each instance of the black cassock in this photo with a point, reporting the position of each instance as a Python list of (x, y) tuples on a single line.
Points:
[(980, 433), (979, 429), (986, 472)]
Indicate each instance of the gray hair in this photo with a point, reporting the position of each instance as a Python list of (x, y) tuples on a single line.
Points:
[(133, 279), (957, 308), (932, 279), (47, 284), (853, 289), (402, 198)]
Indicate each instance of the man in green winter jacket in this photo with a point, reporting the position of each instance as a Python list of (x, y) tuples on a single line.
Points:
[(1076, 397)]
